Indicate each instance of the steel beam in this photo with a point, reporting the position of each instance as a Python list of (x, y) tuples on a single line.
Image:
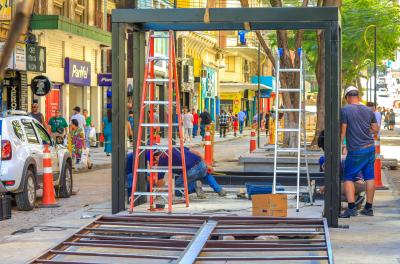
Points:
[(332, 124), (227, 15), (197, 244), (118, 117)]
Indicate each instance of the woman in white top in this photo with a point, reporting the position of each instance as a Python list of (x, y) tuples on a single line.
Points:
[(188, 125)]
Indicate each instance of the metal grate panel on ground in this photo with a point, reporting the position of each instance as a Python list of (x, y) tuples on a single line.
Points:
[(161, 238)]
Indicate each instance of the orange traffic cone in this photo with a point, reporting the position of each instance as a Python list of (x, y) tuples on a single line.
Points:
[(378, 164), (253, 144), (49, 196), (207, 149)]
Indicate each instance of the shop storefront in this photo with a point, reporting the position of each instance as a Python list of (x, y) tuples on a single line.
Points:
[(209, 90), (230, 101), (104, 80), (15, 84), (77, 75)]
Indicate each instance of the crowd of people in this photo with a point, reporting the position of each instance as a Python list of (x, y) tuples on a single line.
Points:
[(388, 117), (79, 133)]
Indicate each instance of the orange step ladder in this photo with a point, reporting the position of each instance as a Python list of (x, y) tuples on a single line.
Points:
[(150, 143)]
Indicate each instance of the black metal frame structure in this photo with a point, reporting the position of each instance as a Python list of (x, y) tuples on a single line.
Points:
[(186, 239), (138, 21)]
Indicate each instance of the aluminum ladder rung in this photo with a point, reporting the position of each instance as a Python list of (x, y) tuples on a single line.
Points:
[(151, 193), (159, 36), (173, 167), (157, 125), (290, 168), (158, 102), (289, 149), (152, 170), (286, 171), (286, 192), (288, 129), (290, 70), (157, 58), (289, 90), (289, 110), (158, 147), (158, 80)]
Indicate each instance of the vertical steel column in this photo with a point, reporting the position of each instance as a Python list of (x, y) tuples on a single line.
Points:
[(332, 124), (119, 102), (138, 75), (375, 70), (258, 96)]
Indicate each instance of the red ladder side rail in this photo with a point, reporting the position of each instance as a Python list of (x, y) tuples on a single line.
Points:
[(170, 119), (178, 111), (139, 138), (151, 117)]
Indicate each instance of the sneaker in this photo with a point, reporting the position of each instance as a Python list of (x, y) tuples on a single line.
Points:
[(349, 212), (367, 212), (222, 193)]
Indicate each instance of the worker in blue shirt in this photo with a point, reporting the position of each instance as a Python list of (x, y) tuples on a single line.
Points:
[(197, 171)]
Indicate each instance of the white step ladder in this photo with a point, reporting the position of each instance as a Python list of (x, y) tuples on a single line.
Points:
[(300, 151)]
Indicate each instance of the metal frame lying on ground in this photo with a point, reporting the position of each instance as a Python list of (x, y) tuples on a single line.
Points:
[(193, 239)]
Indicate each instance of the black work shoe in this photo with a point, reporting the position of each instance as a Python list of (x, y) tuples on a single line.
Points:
[(367, 212), (349, 212)]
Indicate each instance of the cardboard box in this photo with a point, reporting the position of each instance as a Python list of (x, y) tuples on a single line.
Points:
[(269, 205)]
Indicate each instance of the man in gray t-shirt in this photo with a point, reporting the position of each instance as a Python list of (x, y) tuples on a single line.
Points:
[(358, 124)]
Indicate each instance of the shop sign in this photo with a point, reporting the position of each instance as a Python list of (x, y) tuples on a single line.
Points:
[(77, 72), (40, 85), (35, 58), (16, 88), (18, 57), (5, 10), (104, 79)]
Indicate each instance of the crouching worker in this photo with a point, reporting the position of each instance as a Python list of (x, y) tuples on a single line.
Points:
[(197, 172)]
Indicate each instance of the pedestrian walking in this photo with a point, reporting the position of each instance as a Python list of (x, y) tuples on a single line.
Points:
[(78, 140), (392, 119), (58, 127), (88, 126), (78, 116), (378, 116), (36, 114), (130, 125), (267, 117), (205, 120), (386, 126), (188, 125), (235, 124), (357, 122), (195, 122), (107, 132), (223, 123), (241, 118)]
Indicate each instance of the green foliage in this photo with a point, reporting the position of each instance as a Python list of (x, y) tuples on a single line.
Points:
[(357, 16)]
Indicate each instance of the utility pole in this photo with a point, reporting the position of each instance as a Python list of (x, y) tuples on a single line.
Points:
[(375, 70)]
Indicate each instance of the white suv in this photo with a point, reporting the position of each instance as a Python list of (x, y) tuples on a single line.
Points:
[(21, 164)]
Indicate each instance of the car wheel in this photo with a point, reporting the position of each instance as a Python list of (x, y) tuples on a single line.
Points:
[(66, 183), (27, 198)]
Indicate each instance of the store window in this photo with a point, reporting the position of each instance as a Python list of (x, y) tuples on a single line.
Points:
[(230, 63)]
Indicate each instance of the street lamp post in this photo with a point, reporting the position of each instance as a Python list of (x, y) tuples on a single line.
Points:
[(375, 70), (258, 97)]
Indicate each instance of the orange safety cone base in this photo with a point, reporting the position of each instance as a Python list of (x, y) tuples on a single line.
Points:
[(49, 196)]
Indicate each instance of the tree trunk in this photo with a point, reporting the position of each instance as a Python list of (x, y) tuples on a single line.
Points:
[(320, 74)]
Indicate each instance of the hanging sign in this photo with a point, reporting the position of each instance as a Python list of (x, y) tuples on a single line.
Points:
[(40, 85)]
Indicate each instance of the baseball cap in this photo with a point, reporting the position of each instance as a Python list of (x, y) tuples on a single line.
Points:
[(350, 89)]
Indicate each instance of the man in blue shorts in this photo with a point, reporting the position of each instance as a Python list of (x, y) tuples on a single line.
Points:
[(358, 124)]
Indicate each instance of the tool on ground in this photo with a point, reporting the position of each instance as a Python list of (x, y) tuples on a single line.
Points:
[(253, 144), (149, 145), (49, 196), (299, 128)]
